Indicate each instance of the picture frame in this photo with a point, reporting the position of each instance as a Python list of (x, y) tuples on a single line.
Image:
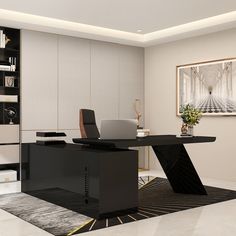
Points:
[(209, 86), (9, 81)]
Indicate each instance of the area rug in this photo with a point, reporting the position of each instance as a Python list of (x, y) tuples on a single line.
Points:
[(156, 198)]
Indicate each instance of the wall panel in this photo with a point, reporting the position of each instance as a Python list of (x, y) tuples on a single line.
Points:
[(39, 80)]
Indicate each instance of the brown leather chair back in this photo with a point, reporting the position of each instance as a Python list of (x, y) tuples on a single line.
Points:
[(87, 123)]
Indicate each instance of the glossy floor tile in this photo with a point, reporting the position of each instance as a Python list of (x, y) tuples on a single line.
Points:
[(217, 219), (13, 226)]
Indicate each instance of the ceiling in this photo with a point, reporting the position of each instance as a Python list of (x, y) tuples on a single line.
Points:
[(124, 15)]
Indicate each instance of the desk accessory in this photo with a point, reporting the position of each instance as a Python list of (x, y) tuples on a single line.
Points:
[(137, 109), (190, 116), (50, 138), (143, 132)]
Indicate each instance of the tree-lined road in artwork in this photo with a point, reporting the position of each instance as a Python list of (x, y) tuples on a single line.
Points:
[(214, 104)]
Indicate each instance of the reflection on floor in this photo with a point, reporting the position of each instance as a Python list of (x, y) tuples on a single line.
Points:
[(217, 219)]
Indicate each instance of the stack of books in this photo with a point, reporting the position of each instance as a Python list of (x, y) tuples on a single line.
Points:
[(5, 65), (50, 138), (2, 39), (143, 132)]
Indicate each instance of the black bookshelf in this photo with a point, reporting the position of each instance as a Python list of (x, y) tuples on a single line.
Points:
[(10, 92), (10, 80)]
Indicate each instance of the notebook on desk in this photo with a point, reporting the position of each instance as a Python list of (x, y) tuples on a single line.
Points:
[(118, 129)]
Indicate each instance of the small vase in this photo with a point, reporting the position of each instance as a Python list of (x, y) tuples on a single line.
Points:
[(184, 129), (190, 130)]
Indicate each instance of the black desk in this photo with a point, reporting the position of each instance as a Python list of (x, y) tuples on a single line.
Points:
[(171, 154), (87, 180)]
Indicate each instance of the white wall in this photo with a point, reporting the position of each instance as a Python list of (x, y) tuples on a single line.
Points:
[(61, 74), (214, 160)]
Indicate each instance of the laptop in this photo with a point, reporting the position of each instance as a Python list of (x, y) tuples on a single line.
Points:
[(118, 129)]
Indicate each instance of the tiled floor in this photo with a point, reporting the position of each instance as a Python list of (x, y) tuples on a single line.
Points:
[(217, 219), (13, 226)]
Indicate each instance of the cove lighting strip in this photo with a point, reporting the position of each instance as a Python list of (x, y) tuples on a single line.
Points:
[(52, 25)]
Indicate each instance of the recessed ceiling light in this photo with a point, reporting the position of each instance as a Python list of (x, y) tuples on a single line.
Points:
[(139, 31)]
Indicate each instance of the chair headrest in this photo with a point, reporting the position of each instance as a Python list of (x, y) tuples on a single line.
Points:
[(88, 116)]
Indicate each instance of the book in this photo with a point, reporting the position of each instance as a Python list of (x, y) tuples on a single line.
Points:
[(184, 136), (50, 134), (1, 39), (5, 63), (5, 67), (8, 98)]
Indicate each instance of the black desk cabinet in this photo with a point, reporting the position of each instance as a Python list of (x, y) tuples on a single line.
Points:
[(89, 181)]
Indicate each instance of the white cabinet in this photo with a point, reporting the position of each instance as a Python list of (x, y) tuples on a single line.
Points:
[(9, 134), (62, 74), (105, 80), (39, 80), (12, 187), (131, 80), (74, 80), (9, 154)]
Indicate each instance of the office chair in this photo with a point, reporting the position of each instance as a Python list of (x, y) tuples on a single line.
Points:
[(87, 123)]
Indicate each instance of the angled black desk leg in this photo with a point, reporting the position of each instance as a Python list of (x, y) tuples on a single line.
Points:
[(179, 169)]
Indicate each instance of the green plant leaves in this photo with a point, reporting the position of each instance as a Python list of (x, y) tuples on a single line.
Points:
[(190, 115)]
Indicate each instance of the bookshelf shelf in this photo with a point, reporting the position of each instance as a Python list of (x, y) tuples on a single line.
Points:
[(10, 50), (4, 87), (9, 72)]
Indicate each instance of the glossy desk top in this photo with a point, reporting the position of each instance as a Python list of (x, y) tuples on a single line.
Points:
[(150, 140)]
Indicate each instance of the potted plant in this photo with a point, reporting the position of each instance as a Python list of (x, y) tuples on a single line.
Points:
[(190, 116)]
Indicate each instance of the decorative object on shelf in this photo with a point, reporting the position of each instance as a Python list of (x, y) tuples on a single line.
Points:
[(4, 39), (9, 81), (208, 86), (11, 114), (7, 40), (12, 61), (137, 108), (190, 116)]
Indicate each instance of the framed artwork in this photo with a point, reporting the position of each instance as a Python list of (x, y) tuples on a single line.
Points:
[(208, 86), (9, 81)]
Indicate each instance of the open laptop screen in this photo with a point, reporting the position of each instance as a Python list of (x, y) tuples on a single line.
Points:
[(118, 129)]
